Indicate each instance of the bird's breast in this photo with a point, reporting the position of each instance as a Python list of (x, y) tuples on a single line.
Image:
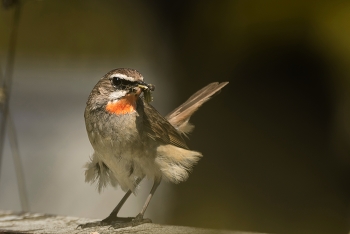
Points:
[(115, 134)]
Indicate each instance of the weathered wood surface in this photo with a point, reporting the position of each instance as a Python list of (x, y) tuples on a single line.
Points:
[(11, 222)]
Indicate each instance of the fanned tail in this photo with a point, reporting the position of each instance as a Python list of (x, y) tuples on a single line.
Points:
[(180, 117)]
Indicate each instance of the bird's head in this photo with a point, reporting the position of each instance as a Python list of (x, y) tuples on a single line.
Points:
[(118, 91)]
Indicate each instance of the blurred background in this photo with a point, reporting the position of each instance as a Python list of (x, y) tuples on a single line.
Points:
[(276, 141)]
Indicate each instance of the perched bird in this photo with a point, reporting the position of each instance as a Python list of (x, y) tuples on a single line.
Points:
[(131, 140)]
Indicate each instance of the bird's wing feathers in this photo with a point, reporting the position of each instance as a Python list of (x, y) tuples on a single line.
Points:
[(169, 129), (180, 116), (158, 128)]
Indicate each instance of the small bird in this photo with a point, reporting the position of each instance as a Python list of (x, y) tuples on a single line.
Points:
[(131, 140)]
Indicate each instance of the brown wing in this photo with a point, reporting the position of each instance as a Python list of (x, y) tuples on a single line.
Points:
[(159, 129), (180, 116)]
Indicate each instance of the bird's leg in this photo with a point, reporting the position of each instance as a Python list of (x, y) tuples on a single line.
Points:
[(112, 217), (153, 190), (139, 218)]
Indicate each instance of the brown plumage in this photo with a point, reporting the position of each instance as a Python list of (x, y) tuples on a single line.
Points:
[(160, 129)]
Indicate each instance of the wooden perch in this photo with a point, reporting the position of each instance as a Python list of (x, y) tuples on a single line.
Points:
[(11, 222)]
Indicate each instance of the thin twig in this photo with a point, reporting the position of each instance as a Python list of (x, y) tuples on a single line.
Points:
[(7, 81), (18, 164)]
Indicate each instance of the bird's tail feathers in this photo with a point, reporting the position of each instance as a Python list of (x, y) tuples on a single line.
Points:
[(180, 117)]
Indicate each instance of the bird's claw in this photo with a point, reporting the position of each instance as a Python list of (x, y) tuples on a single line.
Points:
[(138, 220), (117, 222), (90, 225)]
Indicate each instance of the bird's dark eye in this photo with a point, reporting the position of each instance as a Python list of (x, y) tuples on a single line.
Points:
[(116, 81), (122, 83)]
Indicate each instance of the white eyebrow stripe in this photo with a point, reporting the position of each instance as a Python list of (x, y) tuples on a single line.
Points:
[(123, 77)]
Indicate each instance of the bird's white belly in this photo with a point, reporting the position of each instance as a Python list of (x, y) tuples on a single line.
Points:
[(124, 154)]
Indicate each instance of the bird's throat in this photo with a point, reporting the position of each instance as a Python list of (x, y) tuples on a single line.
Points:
[(123, 106)]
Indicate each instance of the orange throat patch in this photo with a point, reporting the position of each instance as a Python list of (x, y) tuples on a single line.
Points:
[(123, 106)]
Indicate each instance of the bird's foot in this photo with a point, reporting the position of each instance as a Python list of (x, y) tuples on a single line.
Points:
[(89, 225), (117, 222), (106, 222), (138, 220)]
